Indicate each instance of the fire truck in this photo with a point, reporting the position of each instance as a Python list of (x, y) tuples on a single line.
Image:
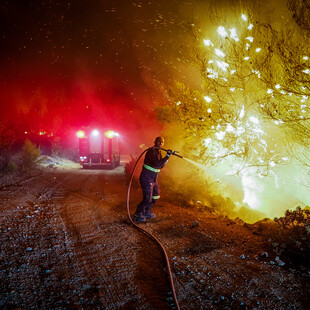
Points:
[(98, 148)]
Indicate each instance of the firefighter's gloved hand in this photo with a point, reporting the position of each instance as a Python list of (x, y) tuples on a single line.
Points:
[(169, 152)]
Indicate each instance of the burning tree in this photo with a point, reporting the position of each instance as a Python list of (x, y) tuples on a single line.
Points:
[(252, 103), (248, 78)]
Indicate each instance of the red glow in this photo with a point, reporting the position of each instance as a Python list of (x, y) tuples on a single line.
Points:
[(59, 106)]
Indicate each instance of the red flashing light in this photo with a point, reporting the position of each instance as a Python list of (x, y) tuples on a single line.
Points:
[(81, 134)]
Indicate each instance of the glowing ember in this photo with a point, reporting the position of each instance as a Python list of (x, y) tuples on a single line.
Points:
[(207, 43), (244, 17), (207, 98)]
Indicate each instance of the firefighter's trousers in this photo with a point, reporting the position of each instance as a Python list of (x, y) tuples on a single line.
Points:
[(150, 189)]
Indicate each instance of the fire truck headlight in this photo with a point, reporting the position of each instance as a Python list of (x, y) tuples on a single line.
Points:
[(95, 132)]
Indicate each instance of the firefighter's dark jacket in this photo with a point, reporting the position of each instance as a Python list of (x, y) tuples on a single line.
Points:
[(153, 159)]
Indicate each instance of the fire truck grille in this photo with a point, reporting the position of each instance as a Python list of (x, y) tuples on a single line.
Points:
[(95, 158)]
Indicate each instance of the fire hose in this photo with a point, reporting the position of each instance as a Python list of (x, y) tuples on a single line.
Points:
[(149, 234)]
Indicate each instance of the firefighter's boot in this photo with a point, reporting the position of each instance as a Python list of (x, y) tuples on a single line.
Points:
[(139, 217), (148, 212)]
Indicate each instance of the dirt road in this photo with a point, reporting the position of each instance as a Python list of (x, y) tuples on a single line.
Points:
[(66, 243)]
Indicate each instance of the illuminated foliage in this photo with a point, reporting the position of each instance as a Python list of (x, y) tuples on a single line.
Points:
[(243, 109), (253, 94), (286, 75), (300, 10), (296, 218)]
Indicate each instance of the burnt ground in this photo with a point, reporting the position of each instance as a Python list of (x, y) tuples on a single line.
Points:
[(66, 243)]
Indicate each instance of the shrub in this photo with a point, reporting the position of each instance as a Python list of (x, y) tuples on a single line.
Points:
[(297, 218), (11, 167), (56, 147), (7, 165), (7, 139), (3, 162), (29, 155), (289, 236)]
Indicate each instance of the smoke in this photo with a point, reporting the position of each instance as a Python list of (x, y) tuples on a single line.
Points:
[(36, 95), (233, 186), (246, 193)]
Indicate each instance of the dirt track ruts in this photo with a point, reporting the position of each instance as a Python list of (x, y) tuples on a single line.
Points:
[(65, 242)]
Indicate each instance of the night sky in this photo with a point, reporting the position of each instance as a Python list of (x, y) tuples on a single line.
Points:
[(67, 64)]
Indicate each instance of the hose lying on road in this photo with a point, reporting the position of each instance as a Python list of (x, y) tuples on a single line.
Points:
[(151, 236)]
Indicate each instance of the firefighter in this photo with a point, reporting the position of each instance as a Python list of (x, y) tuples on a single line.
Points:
[(153, 162)]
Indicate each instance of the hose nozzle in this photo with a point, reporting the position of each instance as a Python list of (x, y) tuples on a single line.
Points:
[(174, 153)]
